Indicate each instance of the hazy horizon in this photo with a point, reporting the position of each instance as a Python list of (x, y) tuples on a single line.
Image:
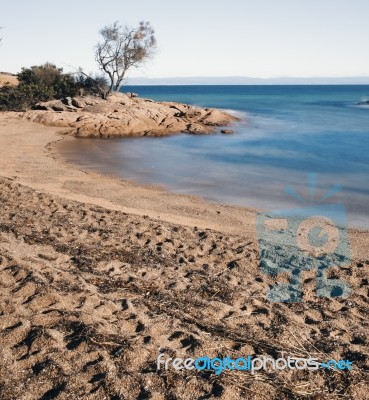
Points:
[(244, 80), (241, 80)]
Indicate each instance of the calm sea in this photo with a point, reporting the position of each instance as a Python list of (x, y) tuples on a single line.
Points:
[(286, 132)]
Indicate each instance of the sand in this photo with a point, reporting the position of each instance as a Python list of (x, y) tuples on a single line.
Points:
[(99, 275)]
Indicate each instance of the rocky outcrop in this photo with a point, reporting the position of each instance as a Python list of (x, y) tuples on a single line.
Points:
[(126, 115)]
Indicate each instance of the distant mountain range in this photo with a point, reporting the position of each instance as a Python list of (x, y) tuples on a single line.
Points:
[(240, 80)]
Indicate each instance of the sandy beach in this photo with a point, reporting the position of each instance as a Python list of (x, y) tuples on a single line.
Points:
[(100, 275)]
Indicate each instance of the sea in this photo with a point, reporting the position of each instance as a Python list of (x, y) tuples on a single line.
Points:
[(294, 146)]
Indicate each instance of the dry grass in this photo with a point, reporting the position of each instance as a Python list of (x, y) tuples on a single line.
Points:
[(8, 79)]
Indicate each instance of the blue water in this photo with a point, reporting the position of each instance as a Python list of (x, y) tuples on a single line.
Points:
[(285, 133)]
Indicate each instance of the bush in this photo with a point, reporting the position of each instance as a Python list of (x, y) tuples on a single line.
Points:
[(47, 82), (95, 86), (48, 75), (19, 98)]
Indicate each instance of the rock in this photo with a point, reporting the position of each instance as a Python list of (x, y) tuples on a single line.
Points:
[(52, 105), (363, 103), (40, 106), (227, 131), (131, 95), (122, 116), (58, 108), (67, 101), (78, 103)]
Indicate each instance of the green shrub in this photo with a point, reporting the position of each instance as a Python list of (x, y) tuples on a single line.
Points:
[(19, 98), (48, 75), (47, 82), (37, 84)]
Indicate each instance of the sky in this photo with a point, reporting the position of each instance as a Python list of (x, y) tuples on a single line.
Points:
[(254, 38)]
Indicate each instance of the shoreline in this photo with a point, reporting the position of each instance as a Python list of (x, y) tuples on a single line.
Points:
[(61, 178), (229, 211), (139, 199)]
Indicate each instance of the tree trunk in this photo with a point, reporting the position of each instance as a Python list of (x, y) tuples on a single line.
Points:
[(118, 85), (119, 81), (111, 87)]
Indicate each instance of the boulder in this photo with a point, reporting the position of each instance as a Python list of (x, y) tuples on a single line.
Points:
[(78, 103), (227, 131), (67, 101), (58, 108), (52, 105), (40, 106), (131, 95)]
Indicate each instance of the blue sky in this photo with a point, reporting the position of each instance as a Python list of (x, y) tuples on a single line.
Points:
[(256, 38)]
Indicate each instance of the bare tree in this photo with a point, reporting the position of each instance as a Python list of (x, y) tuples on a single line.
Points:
[(122, 48)]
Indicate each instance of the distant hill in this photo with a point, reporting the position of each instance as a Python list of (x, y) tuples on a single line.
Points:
[(239, 80)]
